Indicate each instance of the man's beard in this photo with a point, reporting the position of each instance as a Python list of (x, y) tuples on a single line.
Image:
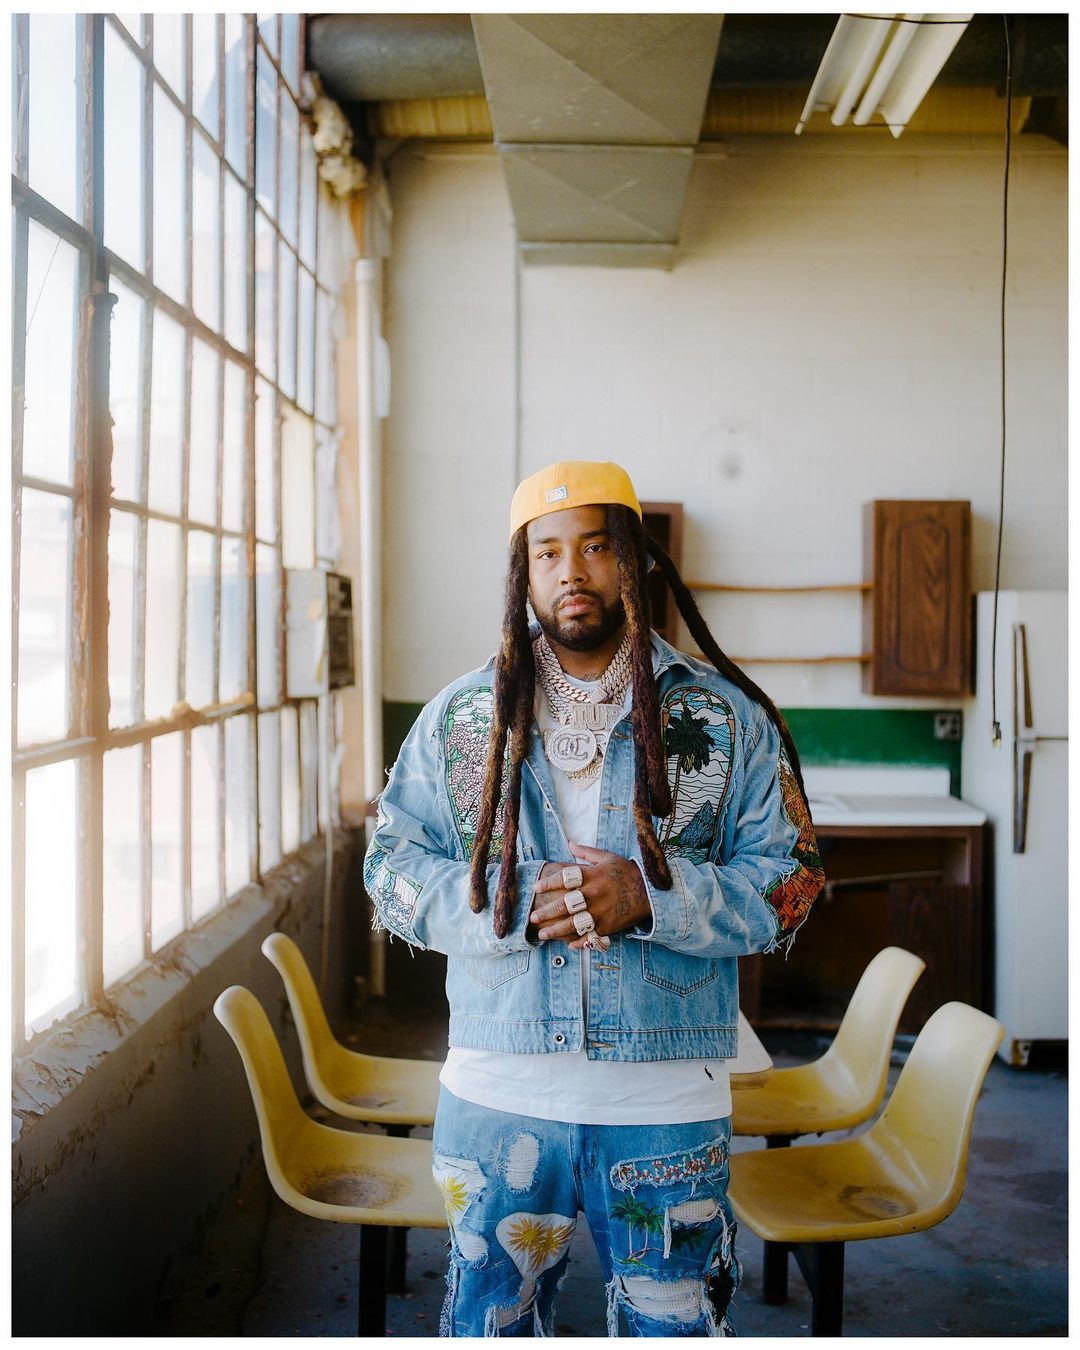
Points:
[(587, 633)]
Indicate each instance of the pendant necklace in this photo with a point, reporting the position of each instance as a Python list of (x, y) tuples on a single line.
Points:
[(586, 719)]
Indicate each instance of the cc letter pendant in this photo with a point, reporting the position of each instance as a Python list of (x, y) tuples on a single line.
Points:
[(570, 748)]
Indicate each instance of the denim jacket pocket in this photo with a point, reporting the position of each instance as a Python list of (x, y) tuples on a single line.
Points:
[(675, 971), (493, 971)]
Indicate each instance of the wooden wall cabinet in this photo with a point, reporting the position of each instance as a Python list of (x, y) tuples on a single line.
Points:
[(917, 614)]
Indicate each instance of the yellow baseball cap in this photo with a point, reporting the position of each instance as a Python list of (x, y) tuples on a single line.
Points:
[(570, 483)]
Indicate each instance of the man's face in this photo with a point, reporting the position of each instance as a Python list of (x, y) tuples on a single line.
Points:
[(574, 578)]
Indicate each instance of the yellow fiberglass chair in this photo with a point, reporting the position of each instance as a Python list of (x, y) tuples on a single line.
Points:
[(847, 1084), (905, 1174), (347, 1177), (391, 1092)]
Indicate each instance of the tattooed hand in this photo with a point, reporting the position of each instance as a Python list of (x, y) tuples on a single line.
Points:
[(614, 893)]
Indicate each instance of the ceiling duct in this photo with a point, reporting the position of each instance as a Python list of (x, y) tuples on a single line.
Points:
[(596, 118)]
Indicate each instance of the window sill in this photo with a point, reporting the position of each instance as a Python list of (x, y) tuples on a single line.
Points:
[(66, 1055)]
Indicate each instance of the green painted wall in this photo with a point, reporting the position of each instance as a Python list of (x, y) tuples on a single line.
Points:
[(823, 735)]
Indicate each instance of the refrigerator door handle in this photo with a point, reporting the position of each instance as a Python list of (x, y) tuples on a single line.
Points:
[(1022, 736)]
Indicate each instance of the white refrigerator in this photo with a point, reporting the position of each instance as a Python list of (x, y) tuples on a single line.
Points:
[(1022, 785)]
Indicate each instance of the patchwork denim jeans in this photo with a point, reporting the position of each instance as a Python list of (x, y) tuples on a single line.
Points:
[(654, 1197)]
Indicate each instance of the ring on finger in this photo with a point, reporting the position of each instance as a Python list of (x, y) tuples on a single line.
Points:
[(575, 901), (597, 943), (571, 877), (584, 923)]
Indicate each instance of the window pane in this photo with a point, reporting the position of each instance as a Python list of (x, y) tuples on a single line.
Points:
[(237, 803), (170, 196), (53, 162), (268, 31), (265, 132), (234, 679), (203, 455), (290, 782), (265, 473), (205, 84), (134, 24), (199, 676), (327, 521), (44, 618), (236, 92), (325, 371), (290, 49), (234, 468), (205, 840), (236, 263), (309, 770), (309, 188), (205, 288), (52, 294), (167, 824), (123, 149), (268, 624), (289, 131), (287, 320), (265, 335), (122, 919), (123, 530), (125, 383), (164, 570), (166, 415), (305, 343), (51, 908), (169, 50), (269, 791), (297, 490)]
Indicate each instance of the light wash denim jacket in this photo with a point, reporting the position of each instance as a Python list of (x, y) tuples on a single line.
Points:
[(740, 846)]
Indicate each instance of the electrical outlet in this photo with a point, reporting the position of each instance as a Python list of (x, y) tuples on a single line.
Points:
[(948, 726)]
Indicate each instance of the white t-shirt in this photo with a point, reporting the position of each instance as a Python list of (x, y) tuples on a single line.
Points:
[(569, 1086)]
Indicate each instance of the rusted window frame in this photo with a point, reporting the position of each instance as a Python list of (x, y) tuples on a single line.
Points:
[(90, 736)]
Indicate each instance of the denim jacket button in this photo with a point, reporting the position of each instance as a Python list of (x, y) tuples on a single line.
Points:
[(558, 960), (559, 1038)]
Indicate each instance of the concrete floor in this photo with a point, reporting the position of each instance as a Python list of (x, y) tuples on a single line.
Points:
[(996, 1267)]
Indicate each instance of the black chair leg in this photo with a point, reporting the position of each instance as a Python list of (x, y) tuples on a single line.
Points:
[(774, 1268), (774, 1273), (822, 1265), (371, 1311), (398, 1237)]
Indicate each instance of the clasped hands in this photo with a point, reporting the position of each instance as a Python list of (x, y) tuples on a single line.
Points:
[(614, 896)]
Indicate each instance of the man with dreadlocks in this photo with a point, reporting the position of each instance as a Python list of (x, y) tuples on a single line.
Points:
[(593, 827)]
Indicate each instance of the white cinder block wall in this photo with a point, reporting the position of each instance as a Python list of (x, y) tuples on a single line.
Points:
[(829, 334)]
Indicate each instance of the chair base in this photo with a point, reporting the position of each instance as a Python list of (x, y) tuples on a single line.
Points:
[(398, 1240), (371, 1304), (822, 1267)]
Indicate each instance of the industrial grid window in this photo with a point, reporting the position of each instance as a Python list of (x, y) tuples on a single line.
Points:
[(173, 426)]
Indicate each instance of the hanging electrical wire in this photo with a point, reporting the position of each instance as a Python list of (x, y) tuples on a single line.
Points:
[(995, 724)]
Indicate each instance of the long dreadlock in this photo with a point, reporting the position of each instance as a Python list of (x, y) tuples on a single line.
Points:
[(514, 691)]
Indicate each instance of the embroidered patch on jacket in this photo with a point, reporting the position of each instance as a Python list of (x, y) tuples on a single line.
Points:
[(699, 734), (792, 896), (467, 729), (393, 894), (691, 1165)]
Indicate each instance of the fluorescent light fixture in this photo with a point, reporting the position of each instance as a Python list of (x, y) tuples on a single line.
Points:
[(886, 63)]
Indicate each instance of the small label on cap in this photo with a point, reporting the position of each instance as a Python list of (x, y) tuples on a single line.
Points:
[(556, 494)]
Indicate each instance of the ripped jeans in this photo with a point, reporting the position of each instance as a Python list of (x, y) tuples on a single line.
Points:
[(654, 1197)]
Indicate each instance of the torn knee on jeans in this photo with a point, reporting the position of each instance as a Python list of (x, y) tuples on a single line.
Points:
[(682, 1300)]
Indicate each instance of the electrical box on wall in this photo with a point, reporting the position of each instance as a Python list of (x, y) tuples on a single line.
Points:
[(318, 632)]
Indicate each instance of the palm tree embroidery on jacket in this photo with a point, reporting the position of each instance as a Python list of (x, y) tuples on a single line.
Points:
[(699, 733), (792, 896), (466, 729)]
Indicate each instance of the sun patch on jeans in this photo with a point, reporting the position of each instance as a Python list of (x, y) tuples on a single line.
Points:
[(460, 1181), (535, 1242), (706, 1162)]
